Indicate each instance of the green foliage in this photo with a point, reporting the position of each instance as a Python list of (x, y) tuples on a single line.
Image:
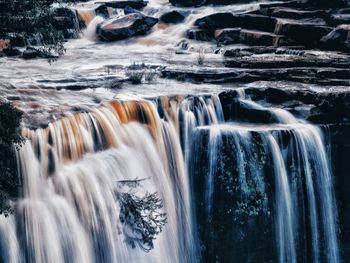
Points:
[(29, 18), (10, 140)]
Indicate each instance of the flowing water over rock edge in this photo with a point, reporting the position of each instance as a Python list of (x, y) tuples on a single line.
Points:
[(74, 163), (245, 171)]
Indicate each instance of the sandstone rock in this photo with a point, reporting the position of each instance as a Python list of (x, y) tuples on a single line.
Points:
[(230, 20), (126, 26), (307, 32), (228, 35), (259, 38), (249, 37)]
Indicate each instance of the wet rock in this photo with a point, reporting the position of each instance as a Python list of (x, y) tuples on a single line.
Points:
[(249, 37), (228, 35), (306, 32), (338, 38), (291, 3), (136, 4), (230, 20), (338, 19), (183, 45), (200, 34), (102, 10), (30, 53), (314, 75), (188, 2), (327, 3), (174, 17), (63, 22), (206, 2), (11, 52), (240, 51), (130, 10), (256, 38), (284, 58), (126, 26), (65, 18), (291, 13)]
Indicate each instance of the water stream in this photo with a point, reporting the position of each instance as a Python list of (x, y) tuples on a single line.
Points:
[(69, 211)]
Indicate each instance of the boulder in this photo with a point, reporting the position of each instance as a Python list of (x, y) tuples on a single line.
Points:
[(200, 34), (30, 53), (136, 4), (174, 17), (230, 20), (126, 26), (338, 38)]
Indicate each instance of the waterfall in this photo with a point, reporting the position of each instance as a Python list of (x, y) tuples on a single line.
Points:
[(231, 191)]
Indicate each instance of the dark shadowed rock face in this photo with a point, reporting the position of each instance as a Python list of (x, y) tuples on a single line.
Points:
[(30, 53), (200, 35), (328, 109), (328, 4), (338, 38), (307, 32), (173, 17), (250, 37), (247, 21), (207, 2), (137, 4), (126, 26)]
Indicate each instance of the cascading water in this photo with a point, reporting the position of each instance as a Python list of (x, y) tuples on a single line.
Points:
[(235, 185), (236, 170)]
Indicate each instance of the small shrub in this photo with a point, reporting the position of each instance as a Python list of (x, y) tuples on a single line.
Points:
[(114, 84), (150, 75), (135, 76), (141, 216)]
